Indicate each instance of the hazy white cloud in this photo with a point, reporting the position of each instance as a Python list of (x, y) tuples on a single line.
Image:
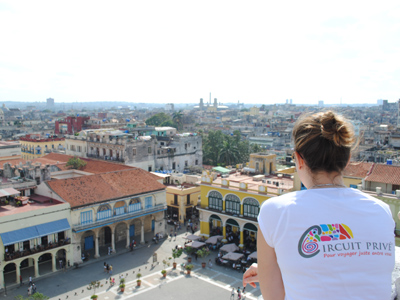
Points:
[(179, 51)]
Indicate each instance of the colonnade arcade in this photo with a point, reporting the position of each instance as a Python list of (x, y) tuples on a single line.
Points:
[(34, 265), (234, 230), (125, 231)]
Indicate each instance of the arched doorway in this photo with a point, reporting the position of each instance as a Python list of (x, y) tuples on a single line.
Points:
[(215, 223), (27, 268), (232, 231), (44, 263), (88, 243), (61, 259), (120, 236), (10, 274), (107, 235), (250, 237)]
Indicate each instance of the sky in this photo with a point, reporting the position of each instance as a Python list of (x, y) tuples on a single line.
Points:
[(260, 52)]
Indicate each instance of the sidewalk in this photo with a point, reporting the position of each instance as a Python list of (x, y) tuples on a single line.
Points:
[(74, 282)]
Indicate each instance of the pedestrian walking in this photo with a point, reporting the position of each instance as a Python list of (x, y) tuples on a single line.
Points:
[(29, 290), (61, 263), (175, 235), (105, 267), (109, 250), (20, 280), (210, 263), (233, 294), (30, 280), (192, 230), (195, 255), (33, 288), (110, 270)]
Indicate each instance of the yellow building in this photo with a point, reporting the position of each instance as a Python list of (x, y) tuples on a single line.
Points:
[(261, 163), (254, 110), (34, 146), (230, 205), (182, 200)]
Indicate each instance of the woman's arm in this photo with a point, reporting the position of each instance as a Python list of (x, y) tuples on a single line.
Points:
[(269, 273)]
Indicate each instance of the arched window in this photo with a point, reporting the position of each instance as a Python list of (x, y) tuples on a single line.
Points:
[(251, 208), (104, 212), (135, 205), (232, 204), (215, 200)]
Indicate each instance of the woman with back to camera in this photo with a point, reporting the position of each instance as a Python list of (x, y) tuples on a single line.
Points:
[(329, 241)]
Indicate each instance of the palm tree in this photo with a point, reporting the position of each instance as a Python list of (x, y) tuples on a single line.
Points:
[(177, 117), (229, 153)]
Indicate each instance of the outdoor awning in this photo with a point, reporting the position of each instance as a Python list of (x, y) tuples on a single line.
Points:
[(33, 232), (233, 256), (8, 192), (19, 235), (229, 248), (196, 244), (53, 227)]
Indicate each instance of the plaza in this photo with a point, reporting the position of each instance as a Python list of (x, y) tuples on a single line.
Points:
[(214, 283)]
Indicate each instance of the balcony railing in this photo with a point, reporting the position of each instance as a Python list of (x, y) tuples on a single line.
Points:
[(113, 219), (230, 214), (105, 157), (37, 249)]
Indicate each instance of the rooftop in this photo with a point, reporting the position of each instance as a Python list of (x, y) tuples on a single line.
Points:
[(8, 210), (98, 188), (384, 174), (272, 182), (357, 169)]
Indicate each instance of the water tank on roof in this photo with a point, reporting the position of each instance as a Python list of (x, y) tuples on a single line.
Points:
[(389, 162)]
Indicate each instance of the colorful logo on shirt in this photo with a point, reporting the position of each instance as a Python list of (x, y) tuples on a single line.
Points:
[(308, 243)]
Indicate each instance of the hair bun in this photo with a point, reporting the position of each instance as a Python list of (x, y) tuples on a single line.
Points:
[(336, 129)]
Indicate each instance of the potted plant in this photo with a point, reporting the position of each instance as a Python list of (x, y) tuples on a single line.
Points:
[(164, 271), (93, 286), (138, 281), (189, 268), (122, 285), (176, 253), (189, 251), (203, 253)]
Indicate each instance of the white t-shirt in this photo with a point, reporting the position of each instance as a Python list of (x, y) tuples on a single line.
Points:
[(331, 243)]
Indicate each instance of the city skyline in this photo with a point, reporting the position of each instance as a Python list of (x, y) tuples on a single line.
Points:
[(179, 52)]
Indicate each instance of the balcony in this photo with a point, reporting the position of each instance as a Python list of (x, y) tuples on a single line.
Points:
[(118, 218), (37, 249), (105, 157)]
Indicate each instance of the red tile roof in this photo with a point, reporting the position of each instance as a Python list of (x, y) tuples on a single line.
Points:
[(92, 165), (106, 186), (357, 169), (13, 162), (385, 174)]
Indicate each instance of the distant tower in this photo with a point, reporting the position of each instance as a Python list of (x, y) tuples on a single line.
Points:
[(215, 103), (291, 101), (321, 103), (201, 104), (50, 102), (398, 114), (210, 99), (287, 101)]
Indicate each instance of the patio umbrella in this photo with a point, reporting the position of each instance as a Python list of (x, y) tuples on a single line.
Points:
[(192, 237), (229, 248), (233, 256), (253, 255), (196, 244), (214, 239)]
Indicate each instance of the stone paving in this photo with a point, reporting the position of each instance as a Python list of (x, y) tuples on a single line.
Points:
[(202, 283)]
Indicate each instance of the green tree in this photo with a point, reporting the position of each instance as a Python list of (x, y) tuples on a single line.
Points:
[(229, 153), (213, 146), (76, 163), (177, 117), (158, 119), (254, 148), (35, 296)]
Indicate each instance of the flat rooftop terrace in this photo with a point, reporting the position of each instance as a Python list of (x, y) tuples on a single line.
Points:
[(8, 210)]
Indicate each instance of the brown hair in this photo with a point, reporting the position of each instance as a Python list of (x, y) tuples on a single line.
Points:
[(324, 140)]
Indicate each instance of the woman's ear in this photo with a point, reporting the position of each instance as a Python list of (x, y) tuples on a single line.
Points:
[(299, 160)]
